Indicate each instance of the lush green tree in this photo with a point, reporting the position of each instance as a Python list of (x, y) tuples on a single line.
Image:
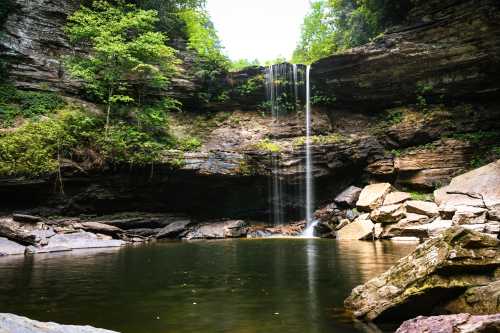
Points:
[(335, 25), (125, 51), (169, 20)]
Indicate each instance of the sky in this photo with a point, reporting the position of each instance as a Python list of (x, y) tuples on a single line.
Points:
[(258, 29)]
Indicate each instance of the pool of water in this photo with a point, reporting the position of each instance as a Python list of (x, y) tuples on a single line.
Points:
[(237, 286)]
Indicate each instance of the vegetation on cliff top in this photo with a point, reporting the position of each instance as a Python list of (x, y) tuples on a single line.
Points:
[(336, 25)]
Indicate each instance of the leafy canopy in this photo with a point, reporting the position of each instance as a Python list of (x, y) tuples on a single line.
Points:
[(336, 25), (126, 51)]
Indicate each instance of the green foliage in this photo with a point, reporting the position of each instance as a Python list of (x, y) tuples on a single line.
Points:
[(319, 139), (423, 92), (394, 117), (336, 25), (27, 104), (319, 99), (241, 64), (278, 60), (250, 86), (421, 196), (169, 21), (125, 52), (475, 137), (268, 146), (211, 64)]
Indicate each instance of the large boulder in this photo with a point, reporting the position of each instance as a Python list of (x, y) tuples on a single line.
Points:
[(10, 323), (396, 198), (387, 214), (219, 230), (438, 271), (459, 323), (348, 197), (361, 228), (479, 188), (372, 196)]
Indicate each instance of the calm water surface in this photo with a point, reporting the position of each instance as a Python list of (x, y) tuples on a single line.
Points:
[(239, 286)]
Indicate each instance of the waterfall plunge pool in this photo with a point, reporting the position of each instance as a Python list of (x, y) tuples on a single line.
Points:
[(268, 285)]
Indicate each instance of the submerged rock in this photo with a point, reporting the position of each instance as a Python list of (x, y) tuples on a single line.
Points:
[(437, 272), (10, 323), (458, 323)]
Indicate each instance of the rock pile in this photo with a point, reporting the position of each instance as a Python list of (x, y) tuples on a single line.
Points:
[(471, 201)]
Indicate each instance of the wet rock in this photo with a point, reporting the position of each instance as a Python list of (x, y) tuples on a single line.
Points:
[(422, 207), (144, 232), (77, 240), (174, 230), (438, 271), (26, 218), (372, 196), (327, 214), (458, 323), (361, 228), (324, 230), (348, 197), (220, 230), (10, 323), (473, 188), (387, 214), (8, 247), (396, 198)]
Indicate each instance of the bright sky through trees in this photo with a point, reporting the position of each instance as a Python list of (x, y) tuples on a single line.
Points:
[(258, 29)]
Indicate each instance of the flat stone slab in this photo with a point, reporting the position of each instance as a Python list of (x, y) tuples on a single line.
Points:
[(362, 228), (10, 323), (8, 247), (74, 241), (372, 196), (396, 198), (219, 230), (422, 207)]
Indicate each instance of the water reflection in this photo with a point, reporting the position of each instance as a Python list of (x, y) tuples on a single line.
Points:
[(280, 285)]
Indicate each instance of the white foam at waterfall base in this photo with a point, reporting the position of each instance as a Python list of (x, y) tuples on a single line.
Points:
[(309, 231)]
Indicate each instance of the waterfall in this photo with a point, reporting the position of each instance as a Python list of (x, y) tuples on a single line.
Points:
[(285, 93), (284, 84), (311, 223)]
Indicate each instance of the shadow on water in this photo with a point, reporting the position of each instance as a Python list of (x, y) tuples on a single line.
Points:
[(273, 285)]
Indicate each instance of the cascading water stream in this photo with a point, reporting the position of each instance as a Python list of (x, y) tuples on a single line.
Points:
[(311, 223)]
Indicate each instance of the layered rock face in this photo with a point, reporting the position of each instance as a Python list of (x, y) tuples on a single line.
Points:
[(449, 46)]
